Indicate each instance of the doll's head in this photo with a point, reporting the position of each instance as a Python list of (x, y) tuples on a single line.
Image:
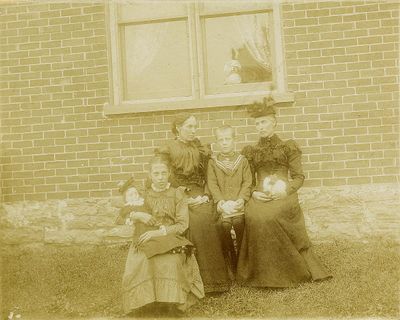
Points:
[(130, 193)]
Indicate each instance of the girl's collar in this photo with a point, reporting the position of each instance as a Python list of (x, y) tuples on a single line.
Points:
[(137, 202), (155, 189)]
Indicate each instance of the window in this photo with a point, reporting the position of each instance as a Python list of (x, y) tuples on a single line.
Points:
[(178, 55)]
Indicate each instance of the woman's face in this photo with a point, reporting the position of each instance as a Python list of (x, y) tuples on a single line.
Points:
[(159, 175), (265, 126), (187, 130)]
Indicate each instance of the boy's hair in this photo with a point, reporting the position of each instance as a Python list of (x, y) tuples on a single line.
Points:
[(224, 128)]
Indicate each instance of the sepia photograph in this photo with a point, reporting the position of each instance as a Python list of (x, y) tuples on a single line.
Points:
[(199, 159)]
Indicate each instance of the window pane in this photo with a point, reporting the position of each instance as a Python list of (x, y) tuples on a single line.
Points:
[(156, 60), (151, 10), (237, 52)]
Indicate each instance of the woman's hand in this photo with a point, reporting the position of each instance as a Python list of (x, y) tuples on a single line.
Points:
[(193, 202), (278, 195), (144, 218), (148, 235), (261, 196)]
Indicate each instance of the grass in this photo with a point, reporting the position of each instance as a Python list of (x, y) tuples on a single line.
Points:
[(85, 282)]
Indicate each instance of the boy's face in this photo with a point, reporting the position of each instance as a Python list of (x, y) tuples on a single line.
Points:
[(131, 195), (225, 140)]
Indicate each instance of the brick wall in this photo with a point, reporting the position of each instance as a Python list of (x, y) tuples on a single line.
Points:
[(342, 64)]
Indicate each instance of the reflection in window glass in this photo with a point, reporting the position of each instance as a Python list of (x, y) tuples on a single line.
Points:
[(237, 51), (156, 60)]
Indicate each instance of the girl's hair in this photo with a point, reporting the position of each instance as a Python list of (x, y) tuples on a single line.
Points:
[(160, 159), (179, 120)]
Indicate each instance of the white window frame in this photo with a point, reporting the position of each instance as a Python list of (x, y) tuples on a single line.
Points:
[(200, 99)]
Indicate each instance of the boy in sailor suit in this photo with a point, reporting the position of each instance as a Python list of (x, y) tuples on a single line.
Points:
[(229, 180)]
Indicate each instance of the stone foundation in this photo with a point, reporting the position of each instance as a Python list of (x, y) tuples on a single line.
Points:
[(353, 212)]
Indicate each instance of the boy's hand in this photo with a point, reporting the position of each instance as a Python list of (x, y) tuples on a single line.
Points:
[(219, 206), (239, 205)]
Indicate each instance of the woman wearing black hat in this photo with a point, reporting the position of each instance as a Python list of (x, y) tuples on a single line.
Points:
[(189, 160), (276, 250)]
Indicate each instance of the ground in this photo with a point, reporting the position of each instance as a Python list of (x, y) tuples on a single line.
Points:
[(48, 285)]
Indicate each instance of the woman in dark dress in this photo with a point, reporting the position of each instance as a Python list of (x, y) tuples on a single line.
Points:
[(189, 160), (276, 250)]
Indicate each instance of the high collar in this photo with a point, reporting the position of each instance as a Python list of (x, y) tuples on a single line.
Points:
[(155, 189), (191, 144), (272, 140)]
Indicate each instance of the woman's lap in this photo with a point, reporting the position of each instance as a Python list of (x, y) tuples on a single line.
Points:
[(274, 245), (162, 278), (204, 235)]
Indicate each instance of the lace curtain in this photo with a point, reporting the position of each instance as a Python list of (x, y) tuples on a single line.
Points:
[(254, 31), (144, 45)]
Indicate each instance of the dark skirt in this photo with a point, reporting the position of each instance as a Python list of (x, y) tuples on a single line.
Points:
[(276, 250), (203, 234)]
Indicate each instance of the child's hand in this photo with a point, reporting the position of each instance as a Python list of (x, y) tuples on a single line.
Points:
[(144, 218), (148, 235), (220, 206), (239, 205), (229, 207)]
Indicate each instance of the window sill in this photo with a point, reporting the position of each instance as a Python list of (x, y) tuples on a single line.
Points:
[(220, 100)]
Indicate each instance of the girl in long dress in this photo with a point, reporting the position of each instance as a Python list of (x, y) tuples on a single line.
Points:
[(189, 159), (276, 250), (161, 267)]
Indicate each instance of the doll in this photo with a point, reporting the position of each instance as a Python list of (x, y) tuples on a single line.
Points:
[(133, 202)]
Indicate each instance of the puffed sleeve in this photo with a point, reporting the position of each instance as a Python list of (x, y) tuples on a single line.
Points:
[(295, 166), (248, 152), (212, 182), (181, 214), (247, 181)]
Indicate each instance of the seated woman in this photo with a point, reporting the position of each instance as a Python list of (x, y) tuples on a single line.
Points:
[(161, 267), (276, 250), (189, 160)]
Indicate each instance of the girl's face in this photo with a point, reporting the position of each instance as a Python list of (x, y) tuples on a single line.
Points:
[(131, 195), (187, 130), (159, 175), (265, 126)]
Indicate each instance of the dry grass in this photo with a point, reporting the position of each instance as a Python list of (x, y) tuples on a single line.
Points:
[(84, 282)]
